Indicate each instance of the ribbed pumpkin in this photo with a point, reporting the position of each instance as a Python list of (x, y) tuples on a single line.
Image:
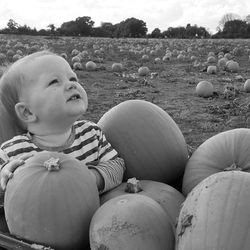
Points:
[(51, 200), (169, 198), (224, 151), (215, 215), (148, 139), (131, 221)]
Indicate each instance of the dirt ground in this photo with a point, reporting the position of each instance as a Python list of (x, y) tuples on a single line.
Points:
[(173, 89)]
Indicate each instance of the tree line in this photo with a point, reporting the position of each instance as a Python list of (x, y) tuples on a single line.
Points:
[(230, 26)]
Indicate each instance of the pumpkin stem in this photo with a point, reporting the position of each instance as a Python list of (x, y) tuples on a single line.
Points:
[(233, 167), (133, 186), (52, 164)]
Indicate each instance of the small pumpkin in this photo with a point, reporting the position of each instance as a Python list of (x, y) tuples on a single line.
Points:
[(51, 200), (232, 66), (168, 197), (131, 221), (148, 139), (143, 71), (215, 215), (204, 89), (116, 67), (246, 86), (224, 151), (211, 69), (90, 66)]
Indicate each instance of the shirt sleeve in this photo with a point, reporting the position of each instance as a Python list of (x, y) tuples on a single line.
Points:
[(112, 172), (105, 150), (3, 160)]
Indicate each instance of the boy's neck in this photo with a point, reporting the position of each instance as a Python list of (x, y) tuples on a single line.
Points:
[(52, 140)]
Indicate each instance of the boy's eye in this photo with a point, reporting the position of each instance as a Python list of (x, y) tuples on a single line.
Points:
[(53, 81), (73, 79)]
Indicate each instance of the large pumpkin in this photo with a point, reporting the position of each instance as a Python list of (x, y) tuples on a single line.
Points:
[(51, 200), (148, 139), (225, 151), (215, 214), (131, 221), (168, 197)]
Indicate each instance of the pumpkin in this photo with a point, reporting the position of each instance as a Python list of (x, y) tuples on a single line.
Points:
[(148, 139), (145, 58), (77, 66), (116, 67), (224, 151), (143, 71), (75, 59), (222, 63), (246, 86), (131, 221), (90, 66), (204, 89), (168, 197), (51, 200), (232, 66), (211, 59), (211, 69), (215, 215)]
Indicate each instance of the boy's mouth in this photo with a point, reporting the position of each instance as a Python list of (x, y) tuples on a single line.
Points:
[(74, 97)]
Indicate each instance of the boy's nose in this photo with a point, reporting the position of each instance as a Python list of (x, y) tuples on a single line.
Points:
[(71, 85)]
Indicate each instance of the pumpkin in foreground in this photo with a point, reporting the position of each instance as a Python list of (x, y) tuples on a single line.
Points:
[(225, 151), (215, 214), (168, 197), (131, 221), (148, 139), (51, 200)]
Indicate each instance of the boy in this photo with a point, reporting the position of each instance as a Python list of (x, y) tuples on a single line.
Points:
[(42, 94)]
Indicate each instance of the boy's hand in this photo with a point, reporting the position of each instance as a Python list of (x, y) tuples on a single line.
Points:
[(8, 170)]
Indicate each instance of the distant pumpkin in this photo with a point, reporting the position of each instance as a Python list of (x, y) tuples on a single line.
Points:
[(143, 71), (204, 89), (90, 66)]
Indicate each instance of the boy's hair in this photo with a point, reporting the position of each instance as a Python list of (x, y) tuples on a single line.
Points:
[(11, 84)]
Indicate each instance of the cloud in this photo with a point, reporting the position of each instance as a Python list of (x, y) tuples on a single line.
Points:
[(156, 13)]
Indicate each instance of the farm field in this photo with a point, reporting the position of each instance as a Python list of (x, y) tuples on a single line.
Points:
[(170, 83)]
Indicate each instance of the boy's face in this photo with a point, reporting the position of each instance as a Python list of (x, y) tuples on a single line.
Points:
[(51, 90)]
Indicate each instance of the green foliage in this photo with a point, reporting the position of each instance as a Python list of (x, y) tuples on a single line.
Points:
[(234, 29)]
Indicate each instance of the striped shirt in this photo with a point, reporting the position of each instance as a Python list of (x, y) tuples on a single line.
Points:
[(87, 143)]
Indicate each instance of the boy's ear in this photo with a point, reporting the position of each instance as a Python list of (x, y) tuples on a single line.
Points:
[(23, 113)]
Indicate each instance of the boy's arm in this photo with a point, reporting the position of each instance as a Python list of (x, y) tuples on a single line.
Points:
[(109, 173)]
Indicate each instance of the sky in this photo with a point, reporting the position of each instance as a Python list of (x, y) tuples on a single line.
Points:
[(160, 14)]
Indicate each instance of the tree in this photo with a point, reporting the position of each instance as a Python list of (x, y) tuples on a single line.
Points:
[(156, 33), (84, 25), (227, 17), (247, 19), (131, 27), (235, 29), (12, 25), (52, 28), (69, 29)]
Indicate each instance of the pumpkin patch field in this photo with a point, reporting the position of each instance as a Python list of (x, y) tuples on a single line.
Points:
[(178, 112)]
